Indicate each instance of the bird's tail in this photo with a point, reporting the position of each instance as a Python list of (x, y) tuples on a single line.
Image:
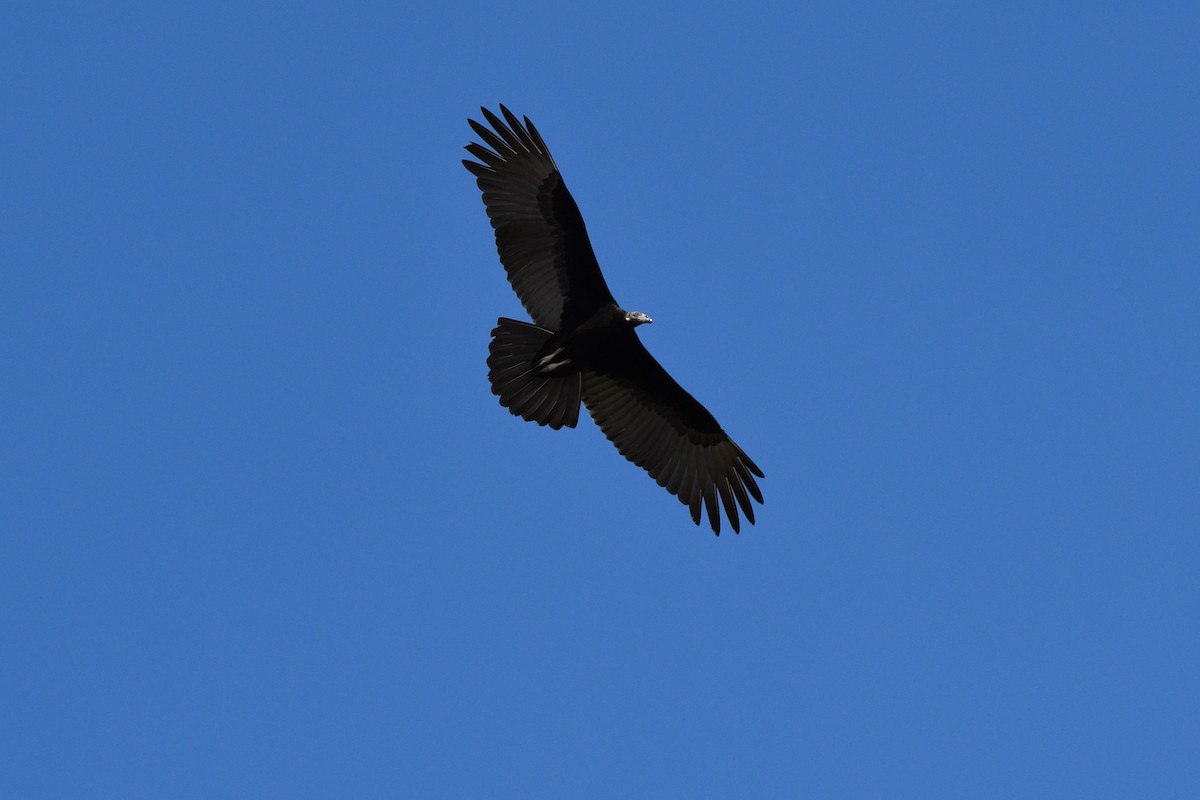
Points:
[(517, 370)]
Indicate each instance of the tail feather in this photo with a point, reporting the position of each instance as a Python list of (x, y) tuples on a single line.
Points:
[(545, 399)]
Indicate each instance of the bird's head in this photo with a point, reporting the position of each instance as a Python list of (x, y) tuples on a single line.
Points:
[(635, 318)]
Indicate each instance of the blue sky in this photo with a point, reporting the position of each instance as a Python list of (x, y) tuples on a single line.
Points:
[(268, 534)]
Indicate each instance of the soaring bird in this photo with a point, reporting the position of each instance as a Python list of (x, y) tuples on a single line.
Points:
[(581, 345)]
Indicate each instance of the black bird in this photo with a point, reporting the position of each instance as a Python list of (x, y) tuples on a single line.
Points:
[(582, 345)]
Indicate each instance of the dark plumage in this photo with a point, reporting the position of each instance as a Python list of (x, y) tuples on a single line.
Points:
[(582, 345)]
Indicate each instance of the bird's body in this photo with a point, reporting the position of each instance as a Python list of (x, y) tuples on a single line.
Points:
[(591, 341), (582, 346)]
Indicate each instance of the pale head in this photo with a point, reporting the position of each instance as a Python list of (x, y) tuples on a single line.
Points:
[(636, 318)]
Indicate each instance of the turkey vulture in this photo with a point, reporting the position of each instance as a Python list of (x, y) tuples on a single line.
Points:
[(582, 345)]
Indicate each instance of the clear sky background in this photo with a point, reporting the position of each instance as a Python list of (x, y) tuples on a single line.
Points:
[(266, 532)]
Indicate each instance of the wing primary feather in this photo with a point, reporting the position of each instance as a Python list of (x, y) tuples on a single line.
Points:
[(515, 125), (493, 141), (748, 479), (739, 492), (514, 142), (537, 138), (478, 170), (709, 485), (727, 501), (746, 460), (688, 493), (710, 505), (493, 160)]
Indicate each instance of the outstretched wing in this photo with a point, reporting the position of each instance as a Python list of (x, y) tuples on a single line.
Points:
[(540, 235), (657, 425)]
